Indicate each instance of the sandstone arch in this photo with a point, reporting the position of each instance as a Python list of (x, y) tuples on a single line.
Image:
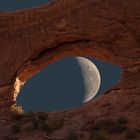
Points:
[(32, 38)]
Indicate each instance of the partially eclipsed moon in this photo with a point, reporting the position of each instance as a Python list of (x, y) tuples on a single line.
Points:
[(91, 77)]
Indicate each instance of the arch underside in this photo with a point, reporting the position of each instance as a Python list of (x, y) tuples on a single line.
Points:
[(87, 48)]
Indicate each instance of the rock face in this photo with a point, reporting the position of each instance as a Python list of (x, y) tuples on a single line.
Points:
[(109, 30)]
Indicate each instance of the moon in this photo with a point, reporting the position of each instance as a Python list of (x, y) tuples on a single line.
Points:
[(91, 76)]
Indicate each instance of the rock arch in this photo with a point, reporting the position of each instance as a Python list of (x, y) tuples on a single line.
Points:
[(30, 39)]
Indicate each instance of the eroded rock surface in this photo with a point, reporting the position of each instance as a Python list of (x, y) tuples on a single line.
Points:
[(109, 30)]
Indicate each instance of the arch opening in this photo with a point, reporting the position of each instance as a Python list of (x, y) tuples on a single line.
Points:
[(80, 98), (46, 57)]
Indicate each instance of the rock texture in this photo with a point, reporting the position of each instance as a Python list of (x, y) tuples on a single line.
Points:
[(109, 30)]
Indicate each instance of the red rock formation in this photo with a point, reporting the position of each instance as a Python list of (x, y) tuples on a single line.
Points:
[(109, 30)]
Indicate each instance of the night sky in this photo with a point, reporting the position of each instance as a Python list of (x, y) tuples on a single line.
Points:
[(12, 5), (60, 85)]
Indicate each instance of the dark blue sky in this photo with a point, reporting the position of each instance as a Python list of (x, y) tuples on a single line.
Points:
[(60, 85), (12, 5)]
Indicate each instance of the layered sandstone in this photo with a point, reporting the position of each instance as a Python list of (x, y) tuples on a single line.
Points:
[(109, 30)]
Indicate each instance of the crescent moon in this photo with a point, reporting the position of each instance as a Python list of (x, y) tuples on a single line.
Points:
[(91, 76)]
